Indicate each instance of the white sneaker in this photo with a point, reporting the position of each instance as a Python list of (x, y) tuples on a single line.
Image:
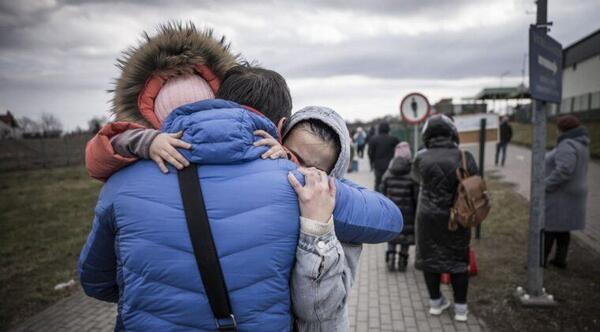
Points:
[(460, 312), (438, 306)]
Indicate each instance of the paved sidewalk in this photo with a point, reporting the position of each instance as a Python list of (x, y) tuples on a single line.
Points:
[(73, 314), (517, 170), (393, 301), (380, 300)]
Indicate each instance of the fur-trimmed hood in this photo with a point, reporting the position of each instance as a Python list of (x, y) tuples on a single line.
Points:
[(176, 49)]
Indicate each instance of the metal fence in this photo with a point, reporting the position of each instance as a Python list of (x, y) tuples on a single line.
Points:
[(35, 153)]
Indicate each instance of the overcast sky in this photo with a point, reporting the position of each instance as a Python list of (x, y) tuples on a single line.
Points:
[(359, 57)]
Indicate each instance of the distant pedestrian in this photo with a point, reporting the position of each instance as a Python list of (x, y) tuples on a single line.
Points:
[(381, 151), (505, 138), (442, 250), (370, 134), (352, 155), (566, 187), (360, 138), (398, 185)]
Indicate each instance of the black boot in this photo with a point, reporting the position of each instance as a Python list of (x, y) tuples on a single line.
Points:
[(390, 259), (402, 262)]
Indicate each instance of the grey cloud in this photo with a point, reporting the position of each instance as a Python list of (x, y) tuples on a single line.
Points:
[(41, 61), (439, 55)]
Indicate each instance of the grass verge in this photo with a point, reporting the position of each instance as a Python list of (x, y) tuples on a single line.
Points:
[(502, 258), (45, 216)]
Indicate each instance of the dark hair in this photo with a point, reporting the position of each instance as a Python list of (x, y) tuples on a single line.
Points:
[(325, 133), (259, 88), (384, 128)]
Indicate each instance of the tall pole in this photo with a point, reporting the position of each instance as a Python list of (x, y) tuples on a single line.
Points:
[(535, 273), (415, 139), (535, 293), (482, 140), (523, 69)]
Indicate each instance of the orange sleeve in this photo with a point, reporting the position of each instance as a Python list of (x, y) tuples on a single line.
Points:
[(101, 160)]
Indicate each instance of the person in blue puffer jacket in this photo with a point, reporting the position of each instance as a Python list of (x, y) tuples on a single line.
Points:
[(139, 254)]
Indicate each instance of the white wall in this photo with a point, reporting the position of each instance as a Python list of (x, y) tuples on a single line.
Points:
[(584, 79)]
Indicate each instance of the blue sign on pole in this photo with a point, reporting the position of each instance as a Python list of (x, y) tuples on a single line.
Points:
[(545, 66)]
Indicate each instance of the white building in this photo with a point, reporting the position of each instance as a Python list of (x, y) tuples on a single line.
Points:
[(581, 76), (9, 128)]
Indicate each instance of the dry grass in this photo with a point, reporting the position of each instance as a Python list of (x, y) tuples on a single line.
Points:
[(502, 255), (45, 216)]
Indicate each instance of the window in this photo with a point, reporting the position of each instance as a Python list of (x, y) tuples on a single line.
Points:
[(595, 102), (553, 109), (581, 103), (566, 105)]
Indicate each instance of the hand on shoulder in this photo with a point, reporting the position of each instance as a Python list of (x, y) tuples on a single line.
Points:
[(164, 149)]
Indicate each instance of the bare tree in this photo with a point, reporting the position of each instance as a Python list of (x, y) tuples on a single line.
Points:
[(51, 125), (29, 126), (95, 123)]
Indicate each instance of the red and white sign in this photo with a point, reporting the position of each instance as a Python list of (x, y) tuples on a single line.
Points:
[(415, 108)]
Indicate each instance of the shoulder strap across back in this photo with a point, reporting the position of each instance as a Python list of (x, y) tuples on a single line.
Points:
[(205, 250)]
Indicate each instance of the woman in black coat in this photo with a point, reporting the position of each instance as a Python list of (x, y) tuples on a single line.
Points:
[(442, 250)]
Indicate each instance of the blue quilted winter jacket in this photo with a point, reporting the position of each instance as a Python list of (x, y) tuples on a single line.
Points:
[(139, 253)]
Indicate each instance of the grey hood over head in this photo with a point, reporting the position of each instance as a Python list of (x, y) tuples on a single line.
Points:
[(335, 121)]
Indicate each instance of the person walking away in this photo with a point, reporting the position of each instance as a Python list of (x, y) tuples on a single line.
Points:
[(370, 134), (505, 138), (566, 188), (361, 140), (442, 250), (398, 185), (381, 151)]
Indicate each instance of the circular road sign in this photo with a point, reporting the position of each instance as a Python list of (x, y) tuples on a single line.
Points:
[(414, 108)]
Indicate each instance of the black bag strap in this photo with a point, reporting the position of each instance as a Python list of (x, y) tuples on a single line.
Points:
[(205, 250)]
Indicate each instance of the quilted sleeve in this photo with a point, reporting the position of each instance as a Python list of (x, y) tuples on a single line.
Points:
[(101, 160), (364, 216), (97, 262)]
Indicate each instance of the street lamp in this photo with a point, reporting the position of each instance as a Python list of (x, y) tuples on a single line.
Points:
[(501, 79)]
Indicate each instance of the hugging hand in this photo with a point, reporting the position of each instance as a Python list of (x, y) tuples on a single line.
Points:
[(317, 197), (276, 150), (163, 148)]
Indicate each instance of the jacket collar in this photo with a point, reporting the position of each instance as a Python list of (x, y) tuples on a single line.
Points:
[(441, 142), (572, 134), (220, 131)]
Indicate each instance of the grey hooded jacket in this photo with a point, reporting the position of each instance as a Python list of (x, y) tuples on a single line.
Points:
[(566, 182), (325, 268)]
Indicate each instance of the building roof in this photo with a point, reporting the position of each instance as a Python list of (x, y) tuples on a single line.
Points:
[(514, 92), (582, 49), (9, 119)]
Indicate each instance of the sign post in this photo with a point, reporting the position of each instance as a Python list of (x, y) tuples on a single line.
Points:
[(545, 83), (414, 109), (482, 140)]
